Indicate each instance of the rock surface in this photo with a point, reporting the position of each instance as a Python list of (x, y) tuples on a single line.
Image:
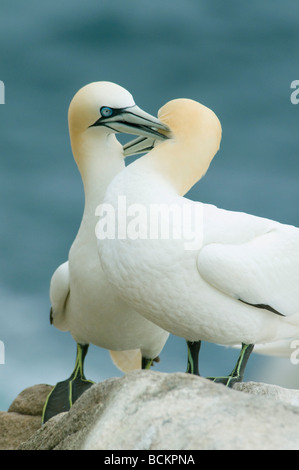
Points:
[(147, 410), (284, 395), (23, 417)]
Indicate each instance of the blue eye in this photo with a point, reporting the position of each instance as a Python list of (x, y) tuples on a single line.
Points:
[(106, 112)]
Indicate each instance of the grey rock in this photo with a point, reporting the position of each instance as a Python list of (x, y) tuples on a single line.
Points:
[(23, 417), (15, 429), (156, 411), (284, 395), (31, 400)]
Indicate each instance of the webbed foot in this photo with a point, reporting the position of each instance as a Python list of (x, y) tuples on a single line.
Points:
[(65, 393), (237, 374)]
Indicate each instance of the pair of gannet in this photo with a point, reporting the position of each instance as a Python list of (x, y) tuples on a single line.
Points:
[(82, 299), (238, 283)]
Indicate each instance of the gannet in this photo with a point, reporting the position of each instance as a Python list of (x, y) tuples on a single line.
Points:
[(238, 284), (82, 299)]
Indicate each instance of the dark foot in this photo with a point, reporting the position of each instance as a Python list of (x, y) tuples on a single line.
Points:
[(237, 374), (193, 348), (228, 380), (148, 363), (65, 393)]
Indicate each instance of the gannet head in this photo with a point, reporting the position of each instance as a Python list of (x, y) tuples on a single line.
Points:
[(109, 108), (189, 122), (194, 139), (192, 121)]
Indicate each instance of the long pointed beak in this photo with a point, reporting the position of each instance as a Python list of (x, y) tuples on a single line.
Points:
[(139, 145), (133, 120)]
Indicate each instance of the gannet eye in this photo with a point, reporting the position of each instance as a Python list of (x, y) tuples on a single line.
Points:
[(106, 112)]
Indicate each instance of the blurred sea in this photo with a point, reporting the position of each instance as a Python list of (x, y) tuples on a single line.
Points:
[(237, 58)]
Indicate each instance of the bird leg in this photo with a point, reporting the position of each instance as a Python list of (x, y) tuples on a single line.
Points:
[(147, 363), (193, 352), (239, 369), (65, 393)]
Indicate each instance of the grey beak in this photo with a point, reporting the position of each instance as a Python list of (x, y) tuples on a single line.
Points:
[(134, 120), (139, 145)]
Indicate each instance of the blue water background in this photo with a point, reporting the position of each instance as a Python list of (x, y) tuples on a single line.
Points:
[(238, 58)]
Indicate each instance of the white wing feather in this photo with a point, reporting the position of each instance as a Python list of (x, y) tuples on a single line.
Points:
[(261, 270), (59, 292)]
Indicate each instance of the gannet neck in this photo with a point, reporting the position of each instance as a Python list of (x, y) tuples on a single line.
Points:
[(185, 158), (96, 113), (99, 159)]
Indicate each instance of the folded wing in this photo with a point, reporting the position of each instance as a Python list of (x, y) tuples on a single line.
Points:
[(262, 271)]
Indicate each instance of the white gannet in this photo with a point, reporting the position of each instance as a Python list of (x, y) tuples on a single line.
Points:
[(83, 301), (284, 348), (238, 284)]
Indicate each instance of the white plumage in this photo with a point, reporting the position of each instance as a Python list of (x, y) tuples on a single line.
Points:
[(83, 301), (240, 285)]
